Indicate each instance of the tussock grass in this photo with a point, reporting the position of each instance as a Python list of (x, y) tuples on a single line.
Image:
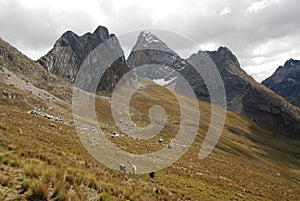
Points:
[(39, 190), (11, 159), (72, 195), (26, 184), (4, 180), (245, 162), (61, 191)]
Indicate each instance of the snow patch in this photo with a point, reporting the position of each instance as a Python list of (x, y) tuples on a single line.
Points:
[(163, 82), (149, 37)]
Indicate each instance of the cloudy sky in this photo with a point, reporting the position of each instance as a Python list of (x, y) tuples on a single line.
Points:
[(263, 34)]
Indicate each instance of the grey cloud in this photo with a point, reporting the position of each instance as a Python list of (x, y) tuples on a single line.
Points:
[(242, 32), (38, 28)]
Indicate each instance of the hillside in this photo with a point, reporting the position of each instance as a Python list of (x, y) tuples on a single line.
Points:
[(42, 158)]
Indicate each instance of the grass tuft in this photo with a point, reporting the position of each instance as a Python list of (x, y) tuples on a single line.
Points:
[(39, 190), (32, 170), (4, 180)]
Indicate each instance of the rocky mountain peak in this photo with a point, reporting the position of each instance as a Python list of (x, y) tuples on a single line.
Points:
[(247, 97), (244, 95), (224, 56), (101, 32), (148, 40), (291, 63), (286, 81), (70, 50), (68, 39), (69, 35)]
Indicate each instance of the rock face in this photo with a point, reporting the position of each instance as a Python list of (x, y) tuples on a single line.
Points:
[(286, 81), (244, 95), (70, 51), (235, 79), (251, 99), (150, 50), (163, 65)]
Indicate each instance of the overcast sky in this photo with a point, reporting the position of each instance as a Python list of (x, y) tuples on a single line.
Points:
[(263, 34)]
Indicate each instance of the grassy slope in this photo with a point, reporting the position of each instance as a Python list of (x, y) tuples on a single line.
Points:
[(248, 162)]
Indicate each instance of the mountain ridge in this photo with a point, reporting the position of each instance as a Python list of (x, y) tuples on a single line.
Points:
[(285, 81), (244, 95), (70, 51)]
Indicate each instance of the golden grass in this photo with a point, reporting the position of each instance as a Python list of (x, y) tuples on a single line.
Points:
[(39, 190), (52, 162), (4, 180)]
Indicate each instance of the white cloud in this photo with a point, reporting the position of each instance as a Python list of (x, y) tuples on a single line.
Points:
[(260, 5), (209, 46), (225, 11)]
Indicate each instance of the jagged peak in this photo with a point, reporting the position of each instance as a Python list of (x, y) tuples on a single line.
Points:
[(69, 38), (149, 37), (291, 62), (224, 49), (219, 56), (69, 34), (148, 40), (221, 50), (101, 32)]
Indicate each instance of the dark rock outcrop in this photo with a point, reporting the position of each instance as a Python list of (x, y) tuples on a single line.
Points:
[(70, 51), (244, 95), (286, 81), (251, 99)]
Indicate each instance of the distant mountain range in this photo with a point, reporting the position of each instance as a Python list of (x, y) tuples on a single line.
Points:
[(286, 81), (244, 95), (42, 156)]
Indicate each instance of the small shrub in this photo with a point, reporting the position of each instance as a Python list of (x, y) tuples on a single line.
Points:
[(32, 170), (46, 158), (79, 179), (81, 195), (26, 184), (104, 197), (70, 179), (10, 159), (4, 180), (70, 175), (59, 174), (47, 176), (12, 147), (92, 183), (20, 198), (60, 192), (72, 195), (39, 190)]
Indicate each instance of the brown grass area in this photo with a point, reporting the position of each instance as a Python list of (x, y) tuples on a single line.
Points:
[(39, 161)]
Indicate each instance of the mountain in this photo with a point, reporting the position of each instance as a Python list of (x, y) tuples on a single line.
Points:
[(163, 65), (286, 81), (42, 156), (244, 95), (149, 49), (70, 51), (23, 73)]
